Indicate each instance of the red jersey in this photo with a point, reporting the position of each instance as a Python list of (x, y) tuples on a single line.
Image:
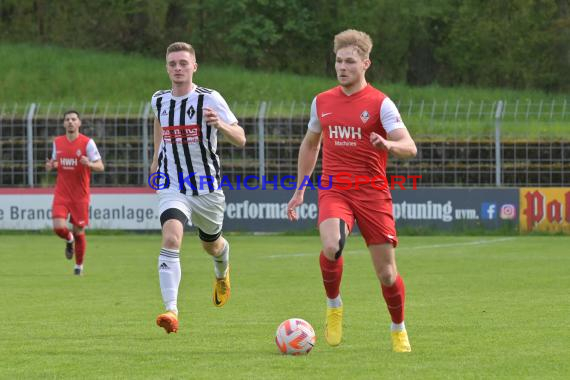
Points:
[(73, 178), (346, 122)]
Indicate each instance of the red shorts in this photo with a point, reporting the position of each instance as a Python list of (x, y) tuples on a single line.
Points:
[(369, 207), (79, 211)]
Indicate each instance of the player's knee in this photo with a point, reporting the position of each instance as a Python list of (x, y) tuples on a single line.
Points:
[(387, 275), (171, 241), (331, 249)]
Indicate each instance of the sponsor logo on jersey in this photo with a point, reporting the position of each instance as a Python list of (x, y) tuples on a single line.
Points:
[(164, 113), (324, 114), (345, 132), (68, 163), (183, 134)]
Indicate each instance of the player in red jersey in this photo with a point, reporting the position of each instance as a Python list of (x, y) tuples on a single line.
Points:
[(359, 126), (74, 156)]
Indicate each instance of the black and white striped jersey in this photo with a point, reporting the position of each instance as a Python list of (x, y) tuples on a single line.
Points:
[(188, 148)]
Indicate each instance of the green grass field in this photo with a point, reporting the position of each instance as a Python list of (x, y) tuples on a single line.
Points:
[(477, 307)]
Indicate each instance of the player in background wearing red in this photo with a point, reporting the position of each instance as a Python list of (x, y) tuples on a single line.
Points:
[(74, 156), (359, 126)]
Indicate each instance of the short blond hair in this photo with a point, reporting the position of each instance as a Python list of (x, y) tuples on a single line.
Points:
[(351, 37), (180, 46)]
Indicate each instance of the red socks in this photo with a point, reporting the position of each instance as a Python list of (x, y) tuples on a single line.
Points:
[(63, 233), (395, 296), (332, 274), (80, 245)]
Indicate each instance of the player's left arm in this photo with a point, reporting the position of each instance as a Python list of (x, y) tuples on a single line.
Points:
[(96, 166), (217, 114), (93, 159), (399, 143), (233, 132)]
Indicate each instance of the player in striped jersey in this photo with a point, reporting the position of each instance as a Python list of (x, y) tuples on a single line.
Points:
[(187, 120)]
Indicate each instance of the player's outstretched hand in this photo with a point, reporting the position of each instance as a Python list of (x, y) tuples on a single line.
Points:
[(295, 202), (379, 142)]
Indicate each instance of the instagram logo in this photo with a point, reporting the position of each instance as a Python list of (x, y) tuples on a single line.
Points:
[(508, 212)]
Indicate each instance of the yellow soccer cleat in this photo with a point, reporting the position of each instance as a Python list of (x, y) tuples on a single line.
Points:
[(400, 342), (222, 290), (168, 321), (333, 327)]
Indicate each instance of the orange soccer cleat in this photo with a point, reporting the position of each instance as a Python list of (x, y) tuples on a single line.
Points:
[(168, 321)]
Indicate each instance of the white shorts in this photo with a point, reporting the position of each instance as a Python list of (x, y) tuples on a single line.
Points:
[(203, 211)]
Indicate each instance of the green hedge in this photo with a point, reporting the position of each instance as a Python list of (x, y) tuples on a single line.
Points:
[(508, 43)]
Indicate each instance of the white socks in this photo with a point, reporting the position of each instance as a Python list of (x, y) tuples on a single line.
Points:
[(398, 326), (334, 302), (221, 262), (169, 273)]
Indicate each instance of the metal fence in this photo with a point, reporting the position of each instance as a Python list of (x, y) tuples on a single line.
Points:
[(460, 143)]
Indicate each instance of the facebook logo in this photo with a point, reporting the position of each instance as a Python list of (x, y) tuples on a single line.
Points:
[(488, 211)]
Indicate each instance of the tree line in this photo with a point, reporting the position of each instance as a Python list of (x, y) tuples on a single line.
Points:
[(519, 44)]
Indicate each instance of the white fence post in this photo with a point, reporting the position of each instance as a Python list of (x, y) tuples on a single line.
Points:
[(30, 140), (261, 138), (498, 115), (145, 141)]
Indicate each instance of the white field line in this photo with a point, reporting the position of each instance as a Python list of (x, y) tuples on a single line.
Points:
[(419, 247)]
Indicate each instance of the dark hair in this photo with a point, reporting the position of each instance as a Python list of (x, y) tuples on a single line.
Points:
[(71, 111)]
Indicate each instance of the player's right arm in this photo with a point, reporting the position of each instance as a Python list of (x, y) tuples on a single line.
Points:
[(51, 163), (157, 137), (308, 155)]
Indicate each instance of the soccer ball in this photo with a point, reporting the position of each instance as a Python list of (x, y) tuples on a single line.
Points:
[(295, 336)]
